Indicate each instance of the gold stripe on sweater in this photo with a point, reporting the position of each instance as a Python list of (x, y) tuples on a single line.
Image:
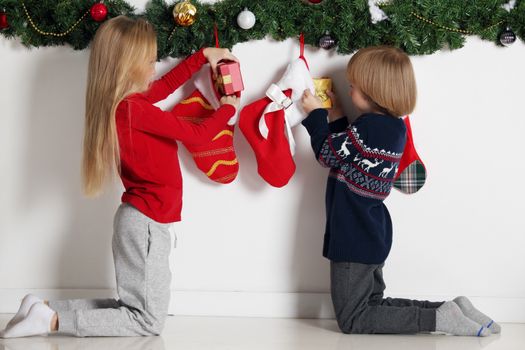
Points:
[(226, 178), (212, 152), (222, 133), (198, 100), (196, 120), (220, 162)]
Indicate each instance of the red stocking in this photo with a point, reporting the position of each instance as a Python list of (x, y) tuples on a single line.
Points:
[(411, 174), (217, 158), (274, 159)]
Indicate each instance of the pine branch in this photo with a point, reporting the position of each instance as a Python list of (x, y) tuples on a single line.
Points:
[(445, 24)]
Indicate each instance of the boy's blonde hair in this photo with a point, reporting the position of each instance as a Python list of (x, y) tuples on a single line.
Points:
[(117, 64), (385, 76)]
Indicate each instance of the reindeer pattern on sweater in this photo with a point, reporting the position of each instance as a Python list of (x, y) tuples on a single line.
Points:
[(366, 171)]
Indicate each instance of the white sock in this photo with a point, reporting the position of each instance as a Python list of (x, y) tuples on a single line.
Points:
[(25, 305), (37, 322)]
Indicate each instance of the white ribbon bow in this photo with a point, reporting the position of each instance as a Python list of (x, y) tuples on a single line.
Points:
[(280, 102), (297, 78)]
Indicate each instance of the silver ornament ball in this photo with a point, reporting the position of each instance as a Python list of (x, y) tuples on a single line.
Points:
[(246, 19), (507, 37), (327, 42)]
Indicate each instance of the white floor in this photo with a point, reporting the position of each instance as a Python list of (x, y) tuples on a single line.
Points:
[(207, 333)]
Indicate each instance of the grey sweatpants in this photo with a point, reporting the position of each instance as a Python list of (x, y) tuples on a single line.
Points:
[(141, 249), (357, 295)]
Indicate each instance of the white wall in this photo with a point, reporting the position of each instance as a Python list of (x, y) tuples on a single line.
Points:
[(250, 249)]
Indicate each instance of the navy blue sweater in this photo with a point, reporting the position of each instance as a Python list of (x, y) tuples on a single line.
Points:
[(363, 158)]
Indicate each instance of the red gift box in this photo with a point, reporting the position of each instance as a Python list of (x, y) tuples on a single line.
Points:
[(229, 80)]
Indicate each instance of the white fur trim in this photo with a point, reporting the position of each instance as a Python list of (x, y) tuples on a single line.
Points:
[(296, 77), (203, 83)]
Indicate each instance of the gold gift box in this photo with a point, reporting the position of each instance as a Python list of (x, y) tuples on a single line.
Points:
[(321, 86)]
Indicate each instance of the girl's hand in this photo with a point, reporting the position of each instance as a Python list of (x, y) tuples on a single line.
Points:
[(214, 55), (310, 102), (335, 112), (230, 100)]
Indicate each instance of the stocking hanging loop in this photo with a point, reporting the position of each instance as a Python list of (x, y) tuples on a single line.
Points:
[(216, 34), (301, 45)]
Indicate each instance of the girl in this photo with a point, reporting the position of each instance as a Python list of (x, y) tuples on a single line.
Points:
[(363, 158), (126, 134)]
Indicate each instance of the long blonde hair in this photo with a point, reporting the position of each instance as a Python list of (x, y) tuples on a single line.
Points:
[(119, 55), (385, 75)]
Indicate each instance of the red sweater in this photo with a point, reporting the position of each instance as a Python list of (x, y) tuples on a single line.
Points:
[(147, 137)]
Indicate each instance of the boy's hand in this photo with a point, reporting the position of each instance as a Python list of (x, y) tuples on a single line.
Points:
[(230, 100), (215, 55), (310, 102), (335, 112)]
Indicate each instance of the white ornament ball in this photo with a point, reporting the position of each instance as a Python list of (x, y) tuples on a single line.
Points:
[(246, 19)]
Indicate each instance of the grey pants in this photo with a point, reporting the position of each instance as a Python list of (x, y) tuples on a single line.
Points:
[(141, 249), (357, 295)]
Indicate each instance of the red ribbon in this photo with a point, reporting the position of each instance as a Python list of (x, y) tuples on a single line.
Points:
[(216, 33), (301, 56)]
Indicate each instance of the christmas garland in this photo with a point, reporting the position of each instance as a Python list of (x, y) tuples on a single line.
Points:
[(417, 26)]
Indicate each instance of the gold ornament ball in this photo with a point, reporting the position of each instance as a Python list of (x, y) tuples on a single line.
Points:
[(185, 13)]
